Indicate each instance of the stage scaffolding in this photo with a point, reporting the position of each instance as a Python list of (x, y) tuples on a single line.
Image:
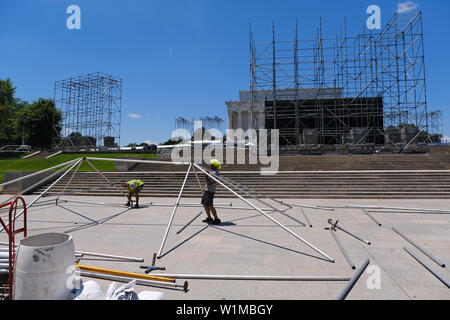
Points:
[(91, 108), (388, 65), (206, 122)]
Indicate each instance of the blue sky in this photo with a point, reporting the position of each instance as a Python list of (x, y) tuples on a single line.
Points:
[(182, 58)]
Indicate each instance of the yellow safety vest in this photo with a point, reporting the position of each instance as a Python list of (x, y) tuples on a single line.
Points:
[(133, 184)]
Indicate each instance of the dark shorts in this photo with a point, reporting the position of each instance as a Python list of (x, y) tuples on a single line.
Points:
[(208, 199)]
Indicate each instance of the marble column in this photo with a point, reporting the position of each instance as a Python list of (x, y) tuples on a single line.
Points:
[(239, 120)]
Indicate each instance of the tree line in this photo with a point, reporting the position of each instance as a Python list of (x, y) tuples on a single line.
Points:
[(36, 122)]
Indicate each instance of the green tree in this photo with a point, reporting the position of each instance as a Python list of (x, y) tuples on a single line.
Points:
[(7, 108), (43, 121)]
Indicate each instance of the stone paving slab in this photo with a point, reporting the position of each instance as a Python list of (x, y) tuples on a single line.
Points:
[(247, 243)]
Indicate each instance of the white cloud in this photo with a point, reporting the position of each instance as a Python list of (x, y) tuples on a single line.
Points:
[(150, 142), (134, 115), (406, 7)]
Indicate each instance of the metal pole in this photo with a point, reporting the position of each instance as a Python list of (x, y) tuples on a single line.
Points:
[(198, 215), (371, 217), (198, 180), (344, 293), (269, 217), (347, 257), (105, 178), (396, 208), (103, 255), (334, 226), (70, 181), (306, 217), (45, 191), (425, 252), (138, 281), (174, 211), (428, 267), (192, 205), (36, 173), (252, 278), (310, 207)]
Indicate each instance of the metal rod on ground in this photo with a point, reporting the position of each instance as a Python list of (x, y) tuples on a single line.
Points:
[(125, 274), (334, 226), (282, 203), (347, 257), (396, 208), (311, 207), (103, 255), (425, 252), (43, 193), (174, 211), (405, 212), (151, 283), (371, 217), (253, 278), (344, 293), (269, 217), (198, 215), (428, 267), (306, 217), (36, 173)]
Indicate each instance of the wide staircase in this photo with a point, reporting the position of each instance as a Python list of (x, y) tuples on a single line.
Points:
[(391, 176)]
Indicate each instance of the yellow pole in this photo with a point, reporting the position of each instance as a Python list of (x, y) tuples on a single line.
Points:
[(124, 274)]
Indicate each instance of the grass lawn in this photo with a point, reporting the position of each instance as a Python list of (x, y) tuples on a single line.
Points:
[(11, 164)]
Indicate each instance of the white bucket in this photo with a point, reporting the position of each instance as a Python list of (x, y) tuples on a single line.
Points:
[(41, 267)]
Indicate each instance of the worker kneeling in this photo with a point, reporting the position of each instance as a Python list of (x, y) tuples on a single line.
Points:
[(133, 188), (210, 190)]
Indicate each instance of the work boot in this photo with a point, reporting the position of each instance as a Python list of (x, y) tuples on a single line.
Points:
[(208, 220), (216, 221), (128, 204), (137, 206)]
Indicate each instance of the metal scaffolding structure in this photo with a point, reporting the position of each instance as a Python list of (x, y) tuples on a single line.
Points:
[(436, 123), (345, 90), (91, 108), (206, 122)]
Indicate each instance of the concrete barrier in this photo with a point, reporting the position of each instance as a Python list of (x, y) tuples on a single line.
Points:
[(24, 184)]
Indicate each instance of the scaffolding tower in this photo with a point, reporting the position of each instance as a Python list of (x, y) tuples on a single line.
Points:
[(348, 75), (206, 122), (91, 109)]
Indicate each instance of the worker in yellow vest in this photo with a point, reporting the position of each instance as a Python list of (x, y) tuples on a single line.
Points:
[(133, 188)]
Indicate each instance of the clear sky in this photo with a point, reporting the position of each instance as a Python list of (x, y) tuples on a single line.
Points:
[(182, 58)]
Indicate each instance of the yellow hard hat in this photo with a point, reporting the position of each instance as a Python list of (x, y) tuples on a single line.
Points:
[(216, 163)]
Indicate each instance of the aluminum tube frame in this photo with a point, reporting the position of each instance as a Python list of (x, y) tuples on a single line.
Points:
[(425, 252), (428, 267), (174, 211), (252, 278), (189, 223), (193, 205), (348, 232), (93, 203), (310, 207), (45, 191), (339, 243), (36, 173), (70, 180), (371, 217), (105, 178), (267, 216), (344, 293)]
